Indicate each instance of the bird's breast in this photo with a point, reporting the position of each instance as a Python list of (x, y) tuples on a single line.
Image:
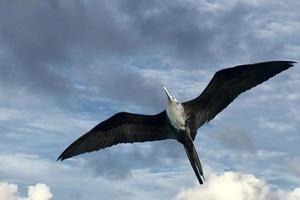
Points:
[(176, 115)]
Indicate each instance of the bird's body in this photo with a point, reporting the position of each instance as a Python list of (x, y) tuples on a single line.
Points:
[(175, 113), (179, 121), (181, 128)]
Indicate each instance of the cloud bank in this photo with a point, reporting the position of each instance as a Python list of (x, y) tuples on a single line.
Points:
[(39, 191), (236, 186), (51, 47), (67, 65)]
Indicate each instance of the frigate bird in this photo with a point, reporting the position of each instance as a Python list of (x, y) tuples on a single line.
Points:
[(179, 121)]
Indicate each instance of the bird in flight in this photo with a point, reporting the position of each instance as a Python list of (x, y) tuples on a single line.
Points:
[(180, 121)]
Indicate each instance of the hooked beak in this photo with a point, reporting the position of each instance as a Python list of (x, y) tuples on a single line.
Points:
[(168, 94)]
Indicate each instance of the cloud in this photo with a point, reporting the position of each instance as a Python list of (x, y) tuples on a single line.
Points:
[(44, 43), (7, 191), (294, 195), (236, 186), (38, 58), (276, 126), (73, 179), (234, 138), (122, 84), (294, 165), (102, 57), (39, 191), (145, 180), (120, 161)]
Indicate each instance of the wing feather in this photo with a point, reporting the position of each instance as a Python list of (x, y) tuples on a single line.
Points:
[(121, 128), (227, 84)]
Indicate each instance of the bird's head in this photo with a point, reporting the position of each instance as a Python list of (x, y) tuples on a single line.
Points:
[(171, 98)]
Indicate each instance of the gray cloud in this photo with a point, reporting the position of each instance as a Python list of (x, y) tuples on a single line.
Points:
[(234, 139), (46, 41), (91, 54), (294, 166), (121, 85), (119, 162), (230, 33), (43, 41)]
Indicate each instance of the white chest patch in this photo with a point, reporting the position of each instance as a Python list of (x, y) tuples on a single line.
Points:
[(176, 115)]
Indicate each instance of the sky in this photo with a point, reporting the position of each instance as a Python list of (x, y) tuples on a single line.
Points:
[(67, 65)]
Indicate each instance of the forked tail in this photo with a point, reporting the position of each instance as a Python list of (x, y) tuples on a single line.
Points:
[(193, 157)]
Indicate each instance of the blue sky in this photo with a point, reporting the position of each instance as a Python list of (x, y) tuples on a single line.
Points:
[(67, 65)]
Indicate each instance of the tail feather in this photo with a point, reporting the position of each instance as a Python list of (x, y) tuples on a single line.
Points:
[(194, 159)]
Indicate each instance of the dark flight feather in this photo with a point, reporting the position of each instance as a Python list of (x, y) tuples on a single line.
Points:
[(226, 85), (193, 158), (223, 88), (120, 128)]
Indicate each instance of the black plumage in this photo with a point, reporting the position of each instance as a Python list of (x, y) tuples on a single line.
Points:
[(226, 85), (122, 127), (223, 88)]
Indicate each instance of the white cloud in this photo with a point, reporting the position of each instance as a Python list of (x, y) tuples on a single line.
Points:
[(72, 179), (236, 186), (39, 191), (276, 126), (294, 195), (8, 191)]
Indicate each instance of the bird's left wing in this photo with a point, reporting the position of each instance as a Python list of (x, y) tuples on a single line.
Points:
[(120, 128), (226, 85)]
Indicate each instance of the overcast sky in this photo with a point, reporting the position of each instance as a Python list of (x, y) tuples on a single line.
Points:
[(67, 65)]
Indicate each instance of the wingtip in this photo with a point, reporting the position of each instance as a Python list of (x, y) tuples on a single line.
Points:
[(292, 62), (61, 158), (65, 154), (286, 63)]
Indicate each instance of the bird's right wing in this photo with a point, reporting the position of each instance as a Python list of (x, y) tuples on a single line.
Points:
[(227, 84), (120, 128)]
